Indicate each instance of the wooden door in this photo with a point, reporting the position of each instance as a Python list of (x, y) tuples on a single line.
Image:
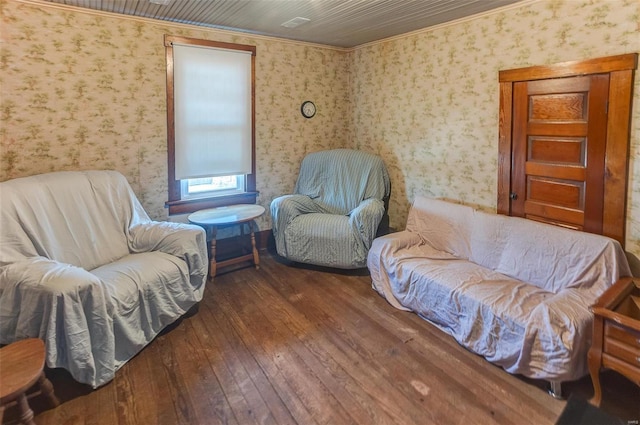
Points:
[(559, 139), (563, 148)]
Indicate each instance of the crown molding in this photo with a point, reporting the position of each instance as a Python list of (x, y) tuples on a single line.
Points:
[(502, 9)]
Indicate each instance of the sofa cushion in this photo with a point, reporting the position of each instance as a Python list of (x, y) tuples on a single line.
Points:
[(485, 311), (151, 277)]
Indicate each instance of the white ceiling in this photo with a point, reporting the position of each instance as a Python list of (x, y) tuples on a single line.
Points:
[(341, 23)]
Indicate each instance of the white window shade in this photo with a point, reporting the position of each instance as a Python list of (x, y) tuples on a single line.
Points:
[(212, 112)]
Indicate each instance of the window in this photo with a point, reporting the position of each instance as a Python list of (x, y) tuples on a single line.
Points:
[(212, 186), (210, 124)]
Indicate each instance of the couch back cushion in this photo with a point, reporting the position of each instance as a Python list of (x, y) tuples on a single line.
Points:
[(74, 217), (443, 225), (339, 180), (554, 258), (549, 257)]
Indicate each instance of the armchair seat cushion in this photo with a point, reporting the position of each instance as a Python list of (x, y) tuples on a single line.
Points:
[(340, 199), (329, 240)]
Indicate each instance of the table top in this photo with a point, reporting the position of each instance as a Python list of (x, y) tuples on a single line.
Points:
[(20, 366), (227, 215)]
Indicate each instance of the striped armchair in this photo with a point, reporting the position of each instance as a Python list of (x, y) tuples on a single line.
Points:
[(339, 204)]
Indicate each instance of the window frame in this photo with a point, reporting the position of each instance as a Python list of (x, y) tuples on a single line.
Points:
[(175, 203)]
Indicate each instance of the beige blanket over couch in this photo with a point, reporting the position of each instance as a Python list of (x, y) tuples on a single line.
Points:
[(512, 290)]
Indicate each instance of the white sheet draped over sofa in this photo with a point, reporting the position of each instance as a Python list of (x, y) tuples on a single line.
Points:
[(512, 290), (84, 268)]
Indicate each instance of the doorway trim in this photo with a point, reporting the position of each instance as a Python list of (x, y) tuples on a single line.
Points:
[(621, 70)]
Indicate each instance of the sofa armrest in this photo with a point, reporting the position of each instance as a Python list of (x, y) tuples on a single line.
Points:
[(382, 262), (563, 320), (365, 218), (185, 241), (67, 307)]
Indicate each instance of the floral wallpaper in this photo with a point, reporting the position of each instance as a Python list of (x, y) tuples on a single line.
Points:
[(428, 101), (86, 90)]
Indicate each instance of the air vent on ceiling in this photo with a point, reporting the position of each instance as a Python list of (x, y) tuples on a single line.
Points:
[(295, 22), (161, 2)]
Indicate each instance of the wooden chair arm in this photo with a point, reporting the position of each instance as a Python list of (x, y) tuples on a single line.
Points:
[(605, 305)]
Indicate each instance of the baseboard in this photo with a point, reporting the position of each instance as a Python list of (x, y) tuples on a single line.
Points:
[(262, 238)]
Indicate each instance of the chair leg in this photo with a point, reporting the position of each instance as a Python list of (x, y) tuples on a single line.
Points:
[(47, 390), (555, 390), (26, 414)]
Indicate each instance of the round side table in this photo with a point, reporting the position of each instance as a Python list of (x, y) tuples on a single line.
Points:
[(212, 218), (21, 366)]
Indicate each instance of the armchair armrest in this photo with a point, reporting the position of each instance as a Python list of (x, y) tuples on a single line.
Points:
[(365, 218), (185, 241), (285, 209)]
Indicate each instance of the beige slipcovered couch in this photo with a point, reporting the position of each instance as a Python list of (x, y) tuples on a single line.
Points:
[(512, 290)]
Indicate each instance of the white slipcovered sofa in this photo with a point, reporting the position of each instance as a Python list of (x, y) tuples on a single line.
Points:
[(85, 269), (513, 290)]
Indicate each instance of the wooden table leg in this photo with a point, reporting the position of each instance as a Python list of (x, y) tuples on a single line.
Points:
[(212, 260), (26, 414), (256, 258), (46, 389)]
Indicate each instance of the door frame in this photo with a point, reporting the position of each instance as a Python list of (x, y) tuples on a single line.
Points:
[(621, 71)]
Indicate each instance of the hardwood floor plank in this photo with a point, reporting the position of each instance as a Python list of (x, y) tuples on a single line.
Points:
[(234, 370), (283, 348), (160, 384), (177, 385), (360, 406), (204, 389), (378, 350), (142, 397), (346, 362), (243, 326)]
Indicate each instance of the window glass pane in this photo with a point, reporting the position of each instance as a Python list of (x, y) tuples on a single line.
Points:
[(203, 187), (211, 184)]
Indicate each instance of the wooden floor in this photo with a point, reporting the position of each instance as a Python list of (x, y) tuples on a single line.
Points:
[(295, 345)]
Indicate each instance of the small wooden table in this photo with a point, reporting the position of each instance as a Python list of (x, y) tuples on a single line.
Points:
[(212, 218), (21, 366), (616, 334)]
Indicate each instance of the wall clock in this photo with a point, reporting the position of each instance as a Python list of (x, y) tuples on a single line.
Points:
[(308, 109)]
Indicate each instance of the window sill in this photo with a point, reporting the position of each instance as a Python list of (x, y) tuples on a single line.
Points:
[(192, 205)]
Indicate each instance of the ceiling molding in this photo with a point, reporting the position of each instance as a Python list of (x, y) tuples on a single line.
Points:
[(518, 5)]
